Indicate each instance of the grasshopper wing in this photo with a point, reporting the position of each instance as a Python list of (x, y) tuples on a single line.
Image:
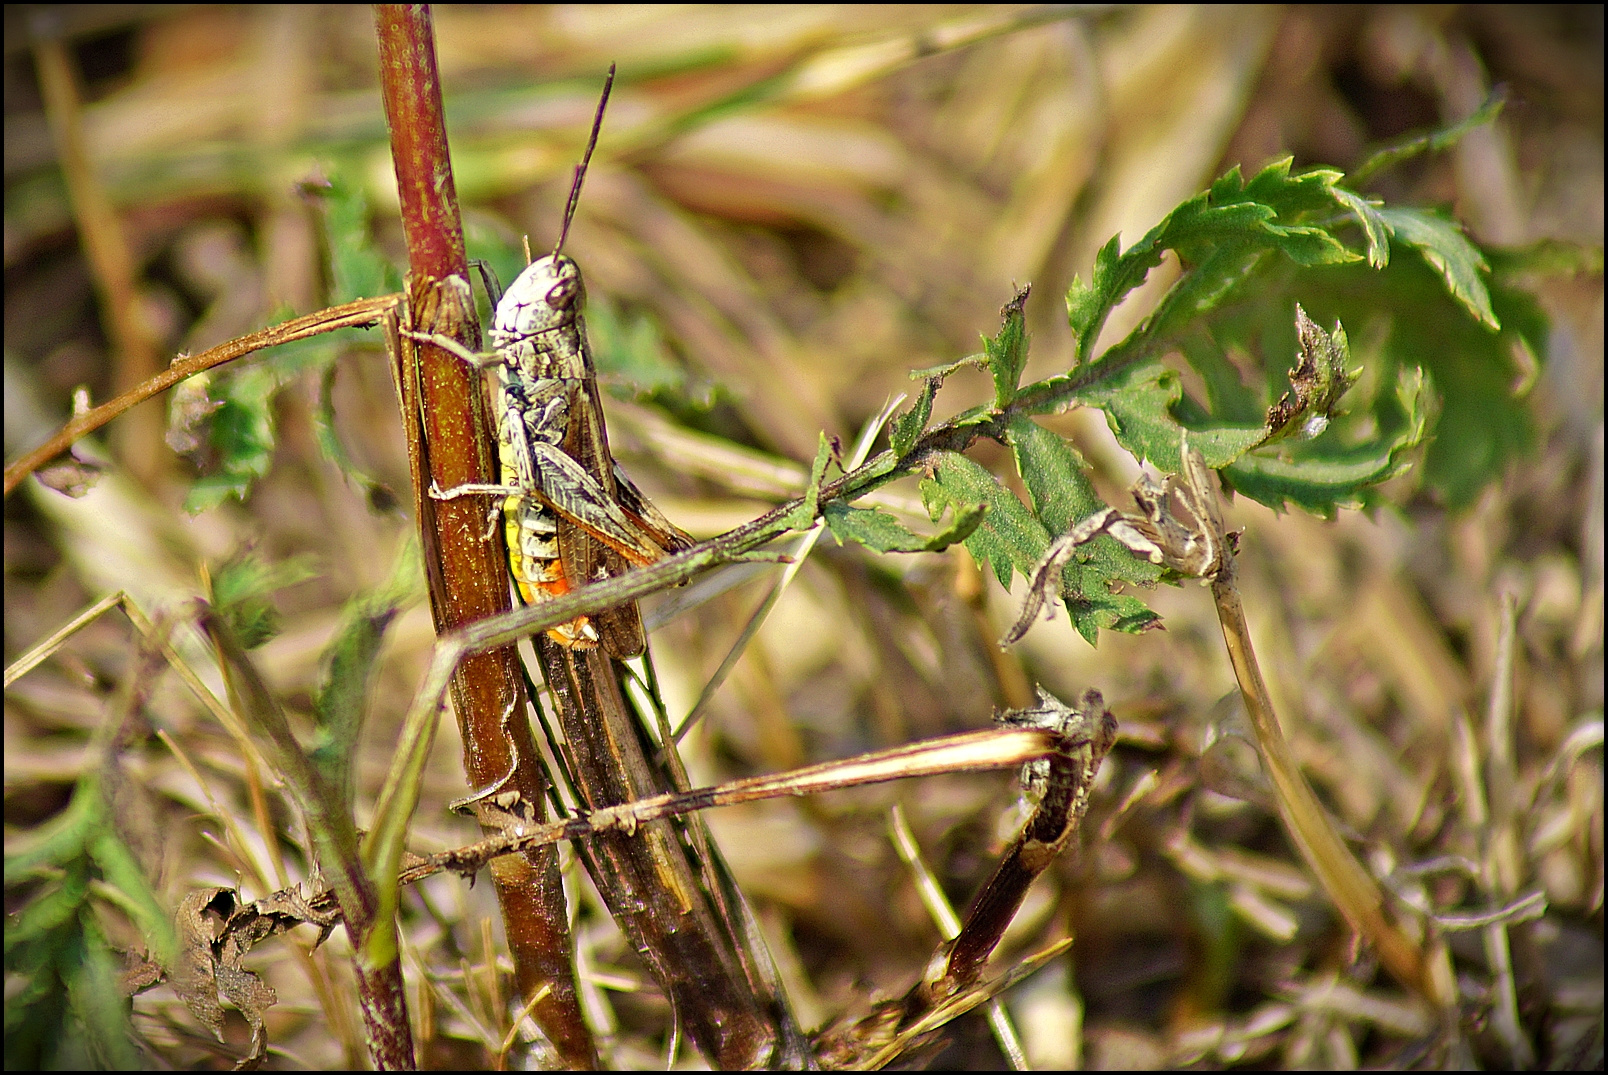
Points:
[(602, 543)]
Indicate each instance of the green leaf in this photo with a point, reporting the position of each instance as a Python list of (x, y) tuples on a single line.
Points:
[(1442, 243), (380, 497), (1138, 405), (1202, 289), (1543, 258), (906, 429), (1114, 275), (241, 436), (61, 839), (1484, 423), (1087, 305), (240, 589), (1228, 397), (1009, 537), (803, 516), (349, 663), (1434, 140), (880, 531), (122, 873), (100, 1005), (1007, 352), (1373, 225), (239, 422), (975, 361), (64, 1004), (1054, 473), (1226, 228), (1056, 481), (962, 524), (357, 268), (239, 425), (1288, 195)]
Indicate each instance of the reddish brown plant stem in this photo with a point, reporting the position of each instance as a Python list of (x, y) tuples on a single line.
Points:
[(449, 444)]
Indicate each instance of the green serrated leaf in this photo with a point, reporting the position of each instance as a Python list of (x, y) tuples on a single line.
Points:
[(881, 532), (1484, 423), (1293, 195), (1373, 225), (1091, 590), (1442, 243), (1231, 184), (1007, 351), (1056, 480), (1267, 213), (1440, 310), (1009, 538), (869, 527), (906, 429), (1088, 305), (1311, 246), (962, 524), (1138, 405), (1210, 282), (1054, 473)]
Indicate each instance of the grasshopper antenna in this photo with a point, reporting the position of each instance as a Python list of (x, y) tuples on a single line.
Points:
[(580, 169)]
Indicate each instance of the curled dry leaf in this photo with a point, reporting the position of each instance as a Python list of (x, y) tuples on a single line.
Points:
[(210, 954), (1317, 381)]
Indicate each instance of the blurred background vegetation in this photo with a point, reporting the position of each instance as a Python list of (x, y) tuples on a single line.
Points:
[(790, 209)]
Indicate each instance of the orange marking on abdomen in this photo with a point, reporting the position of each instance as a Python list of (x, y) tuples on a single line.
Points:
[(532, 536)]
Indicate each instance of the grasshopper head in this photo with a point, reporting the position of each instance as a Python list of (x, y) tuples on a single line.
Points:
[(547, 295)]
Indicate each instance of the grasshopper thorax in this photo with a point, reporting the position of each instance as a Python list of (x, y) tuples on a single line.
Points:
[(548, 295)]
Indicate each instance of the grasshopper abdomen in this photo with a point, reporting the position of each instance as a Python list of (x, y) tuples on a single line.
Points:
[(573, 525)]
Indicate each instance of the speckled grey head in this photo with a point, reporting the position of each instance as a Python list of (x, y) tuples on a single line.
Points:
[(546, 296)]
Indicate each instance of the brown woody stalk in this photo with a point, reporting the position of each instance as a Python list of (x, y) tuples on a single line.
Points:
[(449, 439), (661, 881)]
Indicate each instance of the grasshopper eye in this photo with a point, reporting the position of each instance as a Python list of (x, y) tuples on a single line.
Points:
[(563, 294)]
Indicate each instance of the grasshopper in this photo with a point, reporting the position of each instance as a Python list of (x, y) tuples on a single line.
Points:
[(571, 515)]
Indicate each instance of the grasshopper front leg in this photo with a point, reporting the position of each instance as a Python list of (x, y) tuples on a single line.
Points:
[(484, 360)]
